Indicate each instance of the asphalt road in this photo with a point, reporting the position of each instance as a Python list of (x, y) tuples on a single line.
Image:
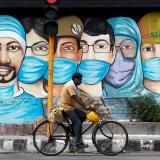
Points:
[(123, 156)]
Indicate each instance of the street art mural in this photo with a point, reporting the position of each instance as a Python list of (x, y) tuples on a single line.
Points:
[(35, 62), (16, 106), (98, 54), (150, 51), (109, 53), (125, 74), (68, 53)]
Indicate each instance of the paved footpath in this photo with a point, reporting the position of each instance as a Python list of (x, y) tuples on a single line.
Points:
[(123, 156)]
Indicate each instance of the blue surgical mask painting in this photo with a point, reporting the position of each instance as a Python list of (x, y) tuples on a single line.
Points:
[(151, 69), (7, 91), (118, 73), (16, 106), (32, 69), (93, 71), (125, 75), (63, 70)]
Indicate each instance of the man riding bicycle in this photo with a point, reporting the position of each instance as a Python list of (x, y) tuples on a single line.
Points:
[(68, 102)]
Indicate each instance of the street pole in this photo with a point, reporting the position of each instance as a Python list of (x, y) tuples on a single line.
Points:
[(51, 29), (50, 72)]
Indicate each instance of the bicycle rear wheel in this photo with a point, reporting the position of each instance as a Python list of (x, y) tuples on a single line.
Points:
[(50, 139), (110, 138)]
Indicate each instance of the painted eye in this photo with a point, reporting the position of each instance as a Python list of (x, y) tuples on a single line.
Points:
[(14, 48), (148, 49), (127, 47), (68, 48), (101, 46), (41, 48)]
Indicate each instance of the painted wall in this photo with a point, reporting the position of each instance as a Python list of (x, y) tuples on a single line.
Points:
[(117, 57)]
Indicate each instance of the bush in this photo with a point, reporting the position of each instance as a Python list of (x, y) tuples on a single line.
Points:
[(145, 108)]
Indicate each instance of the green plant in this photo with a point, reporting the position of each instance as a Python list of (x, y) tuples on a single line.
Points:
[(145, 108)]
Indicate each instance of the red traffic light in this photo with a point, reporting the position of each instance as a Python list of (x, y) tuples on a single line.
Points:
[(52, 1)]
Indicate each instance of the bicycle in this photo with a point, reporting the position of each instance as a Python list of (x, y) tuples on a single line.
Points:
[(109, 137)]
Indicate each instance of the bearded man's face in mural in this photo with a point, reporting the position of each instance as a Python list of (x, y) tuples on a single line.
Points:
[(11, 56), (122, 69)]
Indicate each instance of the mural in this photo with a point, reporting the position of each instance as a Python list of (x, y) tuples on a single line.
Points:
[(98, 54), (125, 74), (68, 53), (35, 62), (12, 50), (150, 52), (110, 55)]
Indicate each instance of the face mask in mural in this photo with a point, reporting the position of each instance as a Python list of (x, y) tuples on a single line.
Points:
[(63, 70), (7, 91), (151, 69), (93, 71), (120, 71), (32, 70)]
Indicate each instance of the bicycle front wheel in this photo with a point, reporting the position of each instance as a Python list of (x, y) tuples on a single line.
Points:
[(110, 138), (50, 139)]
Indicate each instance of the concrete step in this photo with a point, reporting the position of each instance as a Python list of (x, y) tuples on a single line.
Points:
[(25, 144)]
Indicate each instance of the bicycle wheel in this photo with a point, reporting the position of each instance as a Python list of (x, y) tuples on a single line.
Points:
[(50, 139), (110, 138)]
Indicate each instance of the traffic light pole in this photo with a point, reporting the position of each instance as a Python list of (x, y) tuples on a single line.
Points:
[(50, 72)]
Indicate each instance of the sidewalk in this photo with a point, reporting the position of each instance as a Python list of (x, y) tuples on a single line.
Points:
[(142, 137)]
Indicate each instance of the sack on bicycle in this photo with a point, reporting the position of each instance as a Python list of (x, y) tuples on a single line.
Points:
[(56, 115)]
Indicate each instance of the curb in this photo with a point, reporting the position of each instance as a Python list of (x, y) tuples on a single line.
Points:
[(25, 144)]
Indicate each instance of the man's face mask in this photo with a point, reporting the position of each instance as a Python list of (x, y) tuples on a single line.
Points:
[(63, 70)]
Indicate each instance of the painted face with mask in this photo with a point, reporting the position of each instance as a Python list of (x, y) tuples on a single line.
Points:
[(96, 59), (66, 59), (12, 49), (122, 69), (124, 76), (35, 62), (150, 51)]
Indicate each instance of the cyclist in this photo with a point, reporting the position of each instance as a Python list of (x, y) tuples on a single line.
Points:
[(68, 102)]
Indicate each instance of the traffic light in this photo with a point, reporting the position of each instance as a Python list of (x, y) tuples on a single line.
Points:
[(51, 14), (51, 2)]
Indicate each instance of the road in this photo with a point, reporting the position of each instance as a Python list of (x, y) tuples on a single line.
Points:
[(124, 156)]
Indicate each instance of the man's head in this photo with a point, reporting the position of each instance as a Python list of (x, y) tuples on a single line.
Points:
[(97, 44), (77, 78), (68, 54), (70, 30), (98, 40), (149, 26), (12, 48)]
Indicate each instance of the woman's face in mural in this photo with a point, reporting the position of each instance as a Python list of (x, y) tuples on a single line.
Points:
[(97, 48), (36, 46), (11, 56), (68, 48), (122, 68)]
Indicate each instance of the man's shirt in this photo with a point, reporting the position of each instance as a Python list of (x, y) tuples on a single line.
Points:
[(67, 102)]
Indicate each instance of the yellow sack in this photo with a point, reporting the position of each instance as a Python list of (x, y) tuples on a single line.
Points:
[(56, 115)]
